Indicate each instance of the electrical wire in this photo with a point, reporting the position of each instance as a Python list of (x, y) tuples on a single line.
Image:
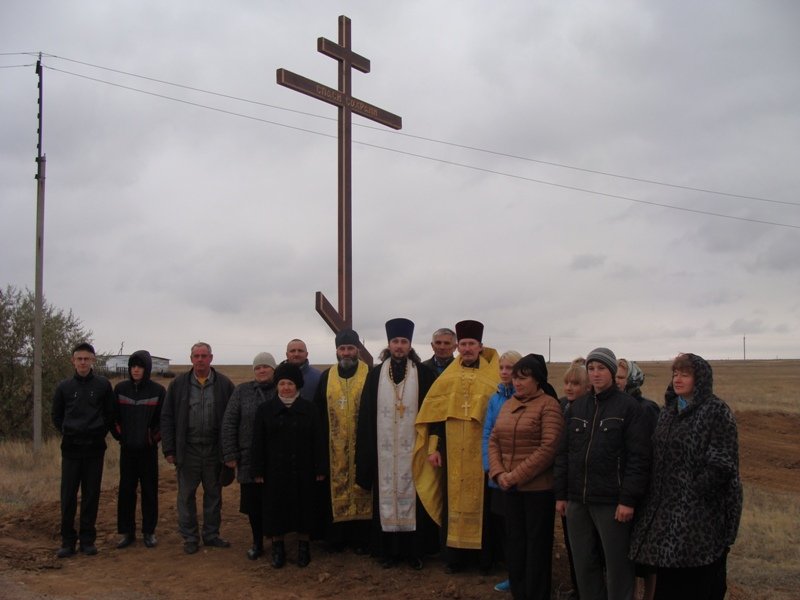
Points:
[(425, 157), (434, 140)]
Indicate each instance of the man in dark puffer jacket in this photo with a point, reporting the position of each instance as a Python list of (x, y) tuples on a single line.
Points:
[(137, 413), (601, 474)]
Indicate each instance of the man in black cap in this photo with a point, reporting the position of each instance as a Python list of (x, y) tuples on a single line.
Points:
[(346, 506), (448, 470), (137, 415), (390, 401)]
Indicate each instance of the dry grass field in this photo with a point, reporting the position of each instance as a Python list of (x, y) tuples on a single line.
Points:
[(764, 563)]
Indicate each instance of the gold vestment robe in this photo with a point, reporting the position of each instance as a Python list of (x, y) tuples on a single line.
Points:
[(349, 502), (459, 398)]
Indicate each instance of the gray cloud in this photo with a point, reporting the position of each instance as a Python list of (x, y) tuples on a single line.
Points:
[(216, 226)]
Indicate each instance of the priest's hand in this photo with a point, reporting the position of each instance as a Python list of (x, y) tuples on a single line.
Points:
[(435, 459), (258, 479), (561, 507), (320, 477), (231, 464)]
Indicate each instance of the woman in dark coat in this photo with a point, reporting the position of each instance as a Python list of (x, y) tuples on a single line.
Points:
[(287, 458), (691, 512)]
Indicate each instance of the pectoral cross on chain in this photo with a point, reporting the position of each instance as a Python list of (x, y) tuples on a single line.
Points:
[(401, 408), (466, 406)]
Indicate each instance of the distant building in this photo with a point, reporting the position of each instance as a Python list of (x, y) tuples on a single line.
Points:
[(118, 365)]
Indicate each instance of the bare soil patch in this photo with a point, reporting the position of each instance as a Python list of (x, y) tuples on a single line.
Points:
[(770, 461)]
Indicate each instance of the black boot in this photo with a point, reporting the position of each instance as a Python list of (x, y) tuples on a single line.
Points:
[(256, 551), (278, 554), (303, 553)]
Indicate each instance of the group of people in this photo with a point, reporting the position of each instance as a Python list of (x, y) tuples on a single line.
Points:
[(472, 455)]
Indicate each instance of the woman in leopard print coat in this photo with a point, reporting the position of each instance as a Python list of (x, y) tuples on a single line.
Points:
[(691, 513)]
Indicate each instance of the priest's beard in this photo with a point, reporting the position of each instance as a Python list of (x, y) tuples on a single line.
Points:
[(348, 363)]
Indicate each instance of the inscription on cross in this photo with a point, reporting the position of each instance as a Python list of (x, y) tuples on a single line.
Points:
[(347, 104)]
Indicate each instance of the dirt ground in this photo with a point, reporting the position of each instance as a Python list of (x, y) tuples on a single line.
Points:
[(28, 540)]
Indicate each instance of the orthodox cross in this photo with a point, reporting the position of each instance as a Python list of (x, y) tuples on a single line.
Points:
[(466, 407), (342, 98)]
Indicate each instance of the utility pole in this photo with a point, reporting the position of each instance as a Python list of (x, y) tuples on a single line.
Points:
[(38, 309), (744, 347)]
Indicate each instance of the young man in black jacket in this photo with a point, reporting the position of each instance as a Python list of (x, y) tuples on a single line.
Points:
[(137, 415), (82, 411), (601, 475)]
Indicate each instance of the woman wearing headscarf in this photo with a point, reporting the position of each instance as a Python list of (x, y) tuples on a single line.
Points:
[(522, 450), (691, 513), (288, 459), (630, 379)]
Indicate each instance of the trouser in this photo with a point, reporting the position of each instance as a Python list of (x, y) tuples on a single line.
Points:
[(586, 523), (693, 583), (86, 474), (137, 468), (530, 517), (201, 465), (569, 554), (250, 503)]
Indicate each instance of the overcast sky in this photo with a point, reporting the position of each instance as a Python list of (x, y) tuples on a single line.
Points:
[(167, 223)]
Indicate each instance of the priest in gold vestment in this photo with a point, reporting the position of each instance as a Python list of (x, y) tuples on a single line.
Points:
[(345, 508), (447, 464)]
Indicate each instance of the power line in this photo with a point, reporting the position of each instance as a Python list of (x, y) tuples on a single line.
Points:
[(432, 158), (437, 141)]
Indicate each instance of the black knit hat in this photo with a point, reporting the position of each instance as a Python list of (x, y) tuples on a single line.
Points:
[(605, 356), (289, 371), (469, 330), (399, 328), (347, 337)]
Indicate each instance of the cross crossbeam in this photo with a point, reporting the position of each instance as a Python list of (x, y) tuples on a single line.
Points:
[(347, 104)]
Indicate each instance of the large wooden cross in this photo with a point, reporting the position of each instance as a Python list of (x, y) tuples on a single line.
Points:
[(342, 98)]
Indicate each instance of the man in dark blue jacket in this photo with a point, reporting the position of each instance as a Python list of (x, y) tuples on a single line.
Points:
[(82, 411), (137, 415)]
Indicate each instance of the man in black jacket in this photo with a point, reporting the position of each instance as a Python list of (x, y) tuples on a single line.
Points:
[(137, 414), (601, 474), (190, 436), (82, 412)]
